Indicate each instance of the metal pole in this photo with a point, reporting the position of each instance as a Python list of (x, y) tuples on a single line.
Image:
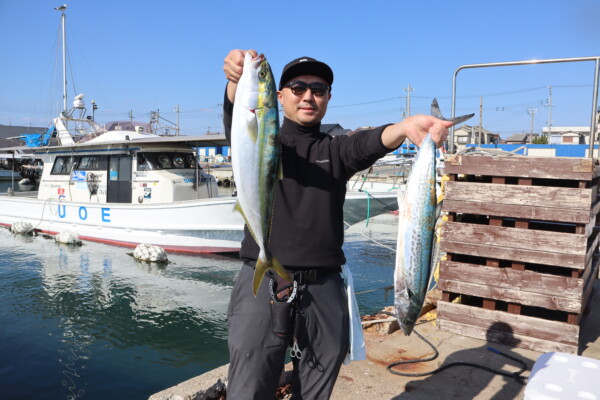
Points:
[(453, 111), (177, 129), (480, 118), (529, 62), (12, 175), (550, 114), (594, 108), (408, 110), (408, 90), (64, 59), (197, 161), (531, 112)]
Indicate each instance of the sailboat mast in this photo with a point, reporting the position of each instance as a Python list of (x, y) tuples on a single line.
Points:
[(63, 18), (64, 53)]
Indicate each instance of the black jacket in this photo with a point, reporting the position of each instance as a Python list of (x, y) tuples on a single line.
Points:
[(308, 227)]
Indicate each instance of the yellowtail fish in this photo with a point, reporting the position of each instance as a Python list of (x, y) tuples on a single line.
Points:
[(417, 216), (255, 157)]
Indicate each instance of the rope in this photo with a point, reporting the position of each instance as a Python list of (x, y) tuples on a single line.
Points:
[(368, 205), (515, 375), (386, 288), (376, 199), (378, 321), (43, 208), (376, 242)]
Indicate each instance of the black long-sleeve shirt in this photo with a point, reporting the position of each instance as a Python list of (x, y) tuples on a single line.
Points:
[(308, 227)]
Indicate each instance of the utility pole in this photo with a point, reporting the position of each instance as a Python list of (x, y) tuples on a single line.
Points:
[(131, 115), (177, 125), (550, 111), (480, 118), (531, 112), (408, 90)]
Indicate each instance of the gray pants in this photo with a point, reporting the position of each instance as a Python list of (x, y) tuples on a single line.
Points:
[(257, 355)]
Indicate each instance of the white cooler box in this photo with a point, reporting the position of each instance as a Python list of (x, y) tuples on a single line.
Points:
[(561, 376)]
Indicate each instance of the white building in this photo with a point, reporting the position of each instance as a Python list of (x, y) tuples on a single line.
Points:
[(468, 134), (569, 134)]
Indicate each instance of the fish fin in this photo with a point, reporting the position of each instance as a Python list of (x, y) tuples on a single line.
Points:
[(281, 271), (435, 111), (259, 272), (252, 128), (237, 207)]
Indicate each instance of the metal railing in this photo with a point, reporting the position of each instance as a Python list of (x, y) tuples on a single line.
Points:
[(531, 62)]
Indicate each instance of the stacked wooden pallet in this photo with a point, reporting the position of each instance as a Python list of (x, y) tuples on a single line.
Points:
[(521, 244)]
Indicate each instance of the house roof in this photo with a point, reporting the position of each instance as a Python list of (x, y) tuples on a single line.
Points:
[(334, 129), (468, 128), (7, 131), (566, 129), (520, 137)]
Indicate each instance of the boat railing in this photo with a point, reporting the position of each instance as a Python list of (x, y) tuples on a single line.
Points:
[(394, 172), (27, 193)]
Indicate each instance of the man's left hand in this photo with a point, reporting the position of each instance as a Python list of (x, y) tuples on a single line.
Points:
[(415, 128)]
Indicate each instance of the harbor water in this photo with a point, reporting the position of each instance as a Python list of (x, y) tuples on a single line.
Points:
[(90, 322)]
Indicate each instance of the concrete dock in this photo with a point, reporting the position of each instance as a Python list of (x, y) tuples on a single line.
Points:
[(370, 378)]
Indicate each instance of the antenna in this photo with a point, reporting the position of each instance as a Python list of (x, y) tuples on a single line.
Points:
[(64, 55)]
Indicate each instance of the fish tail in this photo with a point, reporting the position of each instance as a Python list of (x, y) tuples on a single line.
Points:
[(262, 265), (280, 270)]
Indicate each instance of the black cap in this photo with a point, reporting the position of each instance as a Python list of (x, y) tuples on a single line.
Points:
[(305, 66)]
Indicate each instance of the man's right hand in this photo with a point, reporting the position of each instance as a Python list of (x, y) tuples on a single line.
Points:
[(233, 68)]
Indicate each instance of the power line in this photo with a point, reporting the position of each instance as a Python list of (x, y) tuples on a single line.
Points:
[(368, 102)]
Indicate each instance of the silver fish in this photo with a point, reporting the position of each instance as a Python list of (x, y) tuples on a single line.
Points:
[(255, 157), (417, 216)]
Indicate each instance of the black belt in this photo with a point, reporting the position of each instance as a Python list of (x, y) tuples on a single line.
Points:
[(313, 275)]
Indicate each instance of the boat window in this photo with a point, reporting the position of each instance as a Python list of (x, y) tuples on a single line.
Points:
[(164, 160), (91, 163), (146, 162), (190, 160), (178, 161), (62, 165)]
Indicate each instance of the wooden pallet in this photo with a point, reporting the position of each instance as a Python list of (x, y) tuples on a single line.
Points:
[(521, 244)]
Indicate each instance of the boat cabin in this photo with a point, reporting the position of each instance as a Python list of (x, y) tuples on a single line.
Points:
[(146, 174)]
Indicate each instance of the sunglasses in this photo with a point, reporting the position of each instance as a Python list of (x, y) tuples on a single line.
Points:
[(299, 87)]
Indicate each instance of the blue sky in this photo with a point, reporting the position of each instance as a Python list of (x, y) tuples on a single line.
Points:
[(149, 55)]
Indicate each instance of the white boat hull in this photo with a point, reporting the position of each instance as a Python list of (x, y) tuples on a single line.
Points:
[(196, 226)]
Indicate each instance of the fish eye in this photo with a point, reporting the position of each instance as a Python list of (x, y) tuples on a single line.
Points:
[(262, 74)]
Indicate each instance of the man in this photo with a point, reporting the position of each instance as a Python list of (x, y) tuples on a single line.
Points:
[(307, 236)]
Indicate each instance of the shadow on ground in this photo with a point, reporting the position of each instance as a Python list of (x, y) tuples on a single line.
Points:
[(468, 382)]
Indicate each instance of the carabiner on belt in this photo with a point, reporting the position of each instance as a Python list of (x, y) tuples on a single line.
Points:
[(273, 289)]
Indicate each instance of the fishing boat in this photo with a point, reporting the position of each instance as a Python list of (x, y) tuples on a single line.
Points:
[(8, 168), (122, 184), (20, 167)]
